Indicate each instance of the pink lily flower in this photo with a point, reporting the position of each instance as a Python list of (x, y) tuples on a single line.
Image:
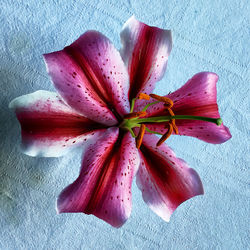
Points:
[(99, 105)]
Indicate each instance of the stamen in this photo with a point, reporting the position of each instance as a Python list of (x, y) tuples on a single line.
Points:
[(163, 99), (166, 135), (167, 105), (148, 105), (135, 115), (175, 127), (173, 121), (132, 105), (143, 96), (132, 132), (140, 136), (170, 111), (132, 120)]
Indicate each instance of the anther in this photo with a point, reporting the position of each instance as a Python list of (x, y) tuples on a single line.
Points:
[(173, 121), (167, 105), (140, 136), (135, 114), (166, 135), (170, 111), (143, 96), (164, 99), (175, 127)]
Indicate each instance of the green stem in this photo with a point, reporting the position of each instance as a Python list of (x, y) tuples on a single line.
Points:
[(152, 132), (148, 105), (132, 132), (132, 105), (217, 121)]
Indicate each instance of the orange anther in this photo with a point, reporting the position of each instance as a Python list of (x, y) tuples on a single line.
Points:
[(168, 105), (140, 136), (142, 113), (166, 135), (173, 121), (135, 114), (164, 99), (143, 96), (175, 127), (170, 111)]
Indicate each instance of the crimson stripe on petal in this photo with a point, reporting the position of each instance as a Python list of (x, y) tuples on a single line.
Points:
[(49, 126), (165, 180), (91, 77), (145, 52), (103, 187)]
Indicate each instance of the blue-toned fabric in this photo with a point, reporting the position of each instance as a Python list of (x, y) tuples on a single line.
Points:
[(207, 36)]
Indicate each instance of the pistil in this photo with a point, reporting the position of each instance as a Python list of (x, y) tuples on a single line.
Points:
[(217, 121)]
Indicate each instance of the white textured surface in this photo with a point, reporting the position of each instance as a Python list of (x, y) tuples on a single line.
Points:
[(207, 36)]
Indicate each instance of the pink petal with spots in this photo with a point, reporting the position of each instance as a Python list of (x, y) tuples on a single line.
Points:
[(50, 127), (197, 97), (103, 187), (165, 180), (91, 77), (145, 52)]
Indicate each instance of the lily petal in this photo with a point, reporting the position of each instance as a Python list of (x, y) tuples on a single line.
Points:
[(50, 128), (103, 187), (197, 97), (145, 52), (165, 180), (91, 77)]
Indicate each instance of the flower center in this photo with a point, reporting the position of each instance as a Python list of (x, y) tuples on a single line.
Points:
[(135, 119)]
